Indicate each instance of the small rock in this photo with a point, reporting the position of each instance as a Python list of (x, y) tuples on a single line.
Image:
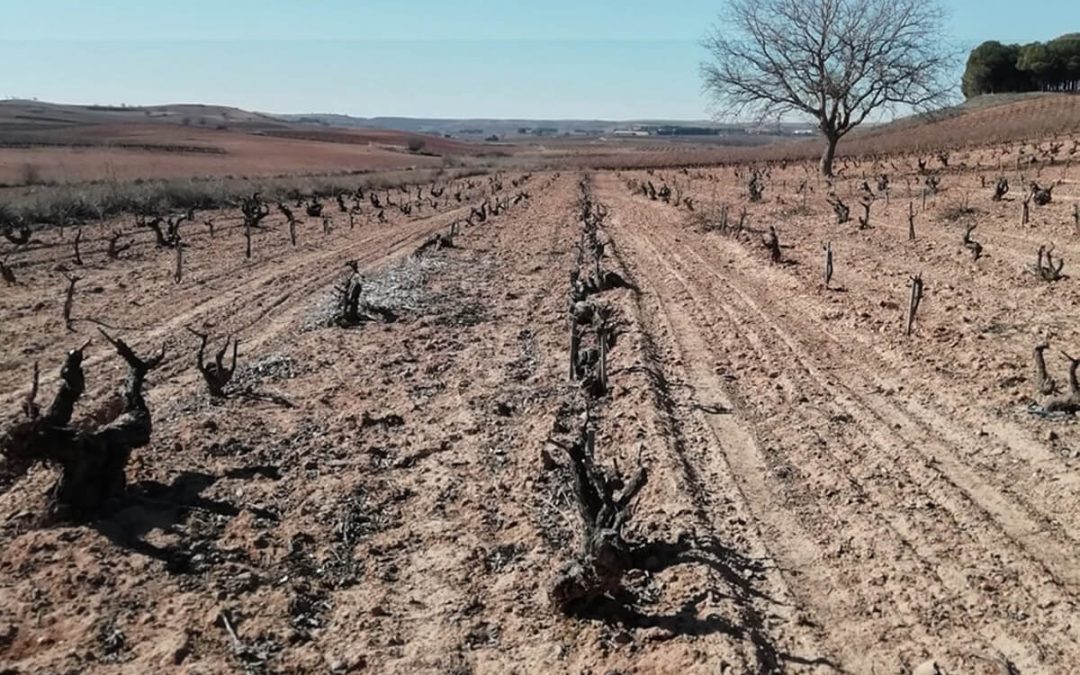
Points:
[(658, 635), (928, 668)]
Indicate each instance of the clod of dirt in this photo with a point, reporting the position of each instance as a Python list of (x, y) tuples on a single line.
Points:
[(386, 421), (928, 668), (504, 409)]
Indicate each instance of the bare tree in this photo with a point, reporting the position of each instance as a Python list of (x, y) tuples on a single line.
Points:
[(836, 61)]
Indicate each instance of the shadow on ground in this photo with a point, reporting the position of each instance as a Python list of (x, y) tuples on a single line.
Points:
[(625, 608)]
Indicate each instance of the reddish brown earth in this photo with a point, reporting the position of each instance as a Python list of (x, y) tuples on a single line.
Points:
[(129, 152), (824, 494), (51, 143)]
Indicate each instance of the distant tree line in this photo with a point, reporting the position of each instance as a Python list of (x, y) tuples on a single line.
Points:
[(995, 68)]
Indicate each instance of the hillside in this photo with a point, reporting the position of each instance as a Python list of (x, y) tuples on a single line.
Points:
[(513, 128), (990, 118), (57, 143), (978, 122), (36, 115)]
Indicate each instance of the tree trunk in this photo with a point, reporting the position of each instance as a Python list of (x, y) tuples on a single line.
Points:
[(830, 153)]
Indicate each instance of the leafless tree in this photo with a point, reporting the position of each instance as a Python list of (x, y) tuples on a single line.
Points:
[(836, 61)]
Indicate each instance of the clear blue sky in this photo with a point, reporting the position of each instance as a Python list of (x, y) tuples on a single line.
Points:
[(611, 59)]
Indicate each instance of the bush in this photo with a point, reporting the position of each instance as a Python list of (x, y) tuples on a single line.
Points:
[(416, 144)]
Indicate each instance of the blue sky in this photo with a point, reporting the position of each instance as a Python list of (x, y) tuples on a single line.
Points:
[(419, 58)]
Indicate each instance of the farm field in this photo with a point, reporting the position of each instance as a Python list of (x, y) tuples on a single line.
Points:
[(131, 154), (398, 492), (46, 144)]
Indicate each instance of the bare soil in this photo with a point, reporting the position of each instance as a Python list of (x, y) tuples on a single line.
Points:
[(143, 151), (825, 493)]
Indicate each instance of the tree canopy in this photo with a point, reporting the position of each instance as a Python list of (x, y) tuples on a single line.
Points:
[(995, 68)]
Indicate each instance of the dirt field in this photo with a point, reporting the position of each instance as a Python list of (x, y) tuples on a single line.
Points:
[(824, 494), (46, 143), (133, 152)]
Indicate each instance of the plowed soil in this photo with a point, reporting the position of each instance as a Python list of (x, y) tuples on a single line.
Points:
[(825, 493)]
